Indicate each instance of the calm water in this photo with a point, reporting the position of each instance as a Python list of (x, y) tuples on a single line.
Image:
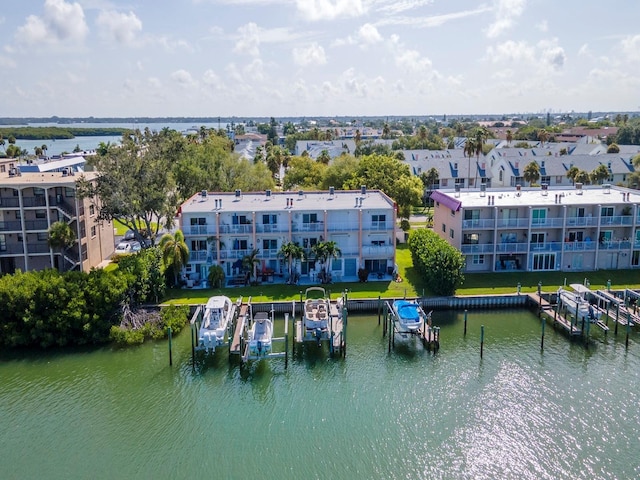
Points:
[(565, 413)]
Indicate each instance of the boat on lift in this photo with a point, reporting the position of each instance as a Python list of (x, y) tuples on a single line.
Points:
[(216, 321), (410, 316), (260, 336), (318, 313), (578, 304)]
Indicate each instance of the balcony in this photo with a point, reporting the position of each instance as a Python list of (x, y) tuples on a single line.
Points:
[(615, 245), (12, 226), (232, 254), (38, 248), (342, 226), (377, 250), (271, 228), (30, 225), (581, 221), (378, 226), (546, 247), (479, 223), (512, 248), (38, 201), (547, 222), (12, 249), (202, 230), (308, 227), (198, 256), (513, 223), (617, 220), (477, 248), (579, 246), (9, 202), (244, 228)]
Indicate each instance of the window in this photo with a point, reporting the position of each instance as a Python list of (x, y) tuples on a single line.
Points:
[(239, 244), (41, 214), (477, 259), (378, 221), (545, 179), (18, 215), (269, 244), (38, 192), (539, 216), (471, 239), (444, 228), (460, 181), (195, 221), (69, 192), (453, 213), (606, 211), (3, 242), (451, 232), (93, 231), (92, 210), (269, 219), (20, 237), (444, 182), (309, 218), (635, 257), (43, 236), (3, 168), (544, 261), (198, 245), (559, 180), (500, 176)]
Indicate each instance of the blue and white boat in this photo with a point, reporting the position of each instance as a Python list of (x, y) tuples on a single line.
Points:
[(409, 314), (578, 304), (218, 316), (260, 336)]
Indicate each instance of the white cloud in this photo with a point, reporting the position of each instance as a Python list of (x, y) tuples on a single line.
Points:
[(154, 82), (120, 27), (60, 22), (584, 51), (210, 78), (543, 26), (312, 54), (352, 85), (631, 47), (511, 51), (7, 62), (183, 78), (249, 41), (401, 5), (315, 10), (552, 54), (411, 60), (254, 70), (369, 34), (507, 11)]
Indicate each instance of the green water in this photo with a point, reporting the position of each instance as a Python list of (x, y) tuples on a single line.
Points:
[(517, 413)]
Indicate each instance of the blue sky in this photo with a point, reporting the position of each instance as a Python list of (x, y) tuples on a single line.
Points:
[(318, 57)]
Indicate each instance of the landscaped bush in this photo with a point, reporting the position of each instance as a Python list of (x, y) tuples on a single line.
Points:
[(440, 264)]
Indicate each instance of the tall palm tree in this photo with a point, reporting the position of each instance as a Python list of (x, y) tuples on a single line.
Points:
[(543, 136), (469, 151), (62, 237), (357, 137), (509, 136), (422, 135), (386, 130), (531, 172), (572, 172), (175, 253), (325, 252), (251, 261), (44, 148), (291, 252), (481, 136)]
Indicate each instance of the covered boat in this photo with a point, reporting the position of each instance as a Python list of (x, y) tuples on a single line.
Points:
[(577, 304), (317, 315), (218, 315), (409, 314)]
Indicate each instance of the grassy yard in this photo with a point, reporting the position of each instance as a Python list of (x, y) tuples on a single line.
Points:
[(412, 285)]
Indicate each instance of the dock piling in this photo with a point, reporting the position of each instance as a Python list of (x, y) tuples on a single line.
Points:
[(626, 341), (465, 323), (379, 308), (170, 352), (544, 322), (481, 340)]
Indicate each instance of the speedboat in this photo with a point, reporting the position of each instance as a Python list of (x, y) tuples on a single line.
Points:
[(316, 315), (260, 336), (410, 315), (578, 305), (218, 314)]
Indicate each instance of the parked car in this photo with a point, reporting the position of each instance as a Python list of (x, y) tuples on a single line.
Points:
[(129, 235), (128, 247)]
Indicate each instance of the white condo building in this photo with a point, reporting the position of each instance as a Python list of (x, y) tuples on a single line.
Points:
[(222, 228), (534, 229)]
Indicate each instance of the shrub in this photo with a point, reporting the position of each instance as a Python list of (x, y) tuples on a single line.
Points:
[(174, 316)]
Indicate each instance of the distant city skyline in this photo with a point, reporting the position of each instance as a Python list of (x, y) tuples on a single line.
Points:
[(324, 58)]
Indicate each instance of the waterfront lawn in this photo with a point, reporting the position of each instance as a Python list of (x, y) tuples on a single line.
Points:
[(412, 285)]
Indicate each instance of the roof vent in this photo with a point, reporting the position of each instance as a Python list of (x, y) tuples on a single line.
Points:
[(203, 194), (606, 188), (518, 190), (332, 191), (457, 189), (483, 189), (363, 189), (268, 193), (578, 188), (545, 189), (238, 193), (300, 194)]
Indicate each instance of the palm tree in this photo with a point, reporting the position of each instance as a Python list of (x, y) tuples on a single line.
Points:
[(469, 151), (600, 173), (325, 252), (572, 172), (386, 130), (509, 136), (324, 157), (543, 135), (175, 253), (62, 237), (422, 135), (358, 136), (2, 143), (531, 172), (44, 148), (37, 151), (291, 252), (251, 261), (582, 177)]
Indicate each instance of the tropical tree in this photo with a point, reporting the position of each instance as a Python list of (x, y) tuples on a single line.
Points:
[(582, 177), (175, 253), (422, 134), (357, 137), (509, 137), (37, 151), (216, 276), (481, 136), (469, 151), (324, 253), (324, 157), (543, 136), (62, 237), (613, 148), (251, 261), (599, 174), (44, 148), (531, 172), (572, 172), (386, 130), (291, 252), (2, 142)]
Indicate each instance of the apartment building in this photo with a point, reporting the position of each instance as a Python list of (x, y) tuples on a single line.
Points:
[(29, 203), (222, 228), (536, 229)]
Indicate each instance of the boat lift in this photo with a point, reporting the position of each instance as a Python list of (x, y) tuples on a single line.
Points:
[(429, 335), (244, 350), (336, 337)]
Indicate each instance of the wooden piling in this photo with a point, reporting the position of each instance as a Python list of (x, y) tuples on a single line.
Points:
[(626, 341), (465, 323), (379, 308), (286, 340), (345, 314), (170, 352), (544, 322), (193, 347), (615, 330), (481, 340)]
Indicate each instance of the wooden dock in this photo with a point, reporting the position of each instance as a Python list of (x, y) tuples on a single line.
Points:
[(242, 321), (552, 311)]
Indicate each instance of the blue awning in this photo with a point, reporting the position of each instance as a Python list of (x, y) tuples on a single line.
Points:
[(446, 200)]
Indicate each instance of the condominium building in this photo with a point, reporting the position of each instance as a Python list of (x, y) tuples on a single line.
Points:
[(535, 229), (30, 203), (223, 228)]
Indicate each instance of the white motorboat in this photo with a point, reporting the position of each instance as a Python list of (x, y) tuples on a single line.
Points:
[(218, 316), (317, 314), (577, 304), (411, 317), (260, 336)]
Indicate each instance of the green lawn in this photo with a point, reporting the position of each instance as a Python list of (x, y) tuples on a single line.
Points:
[(412, 285)]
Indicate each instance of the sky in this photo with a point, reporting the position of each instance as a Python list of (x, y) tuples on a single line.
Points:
[(305, 58)]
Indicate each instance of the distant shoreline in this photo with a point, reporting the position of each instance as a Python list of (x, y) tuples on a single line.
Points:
[(58, 133)]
